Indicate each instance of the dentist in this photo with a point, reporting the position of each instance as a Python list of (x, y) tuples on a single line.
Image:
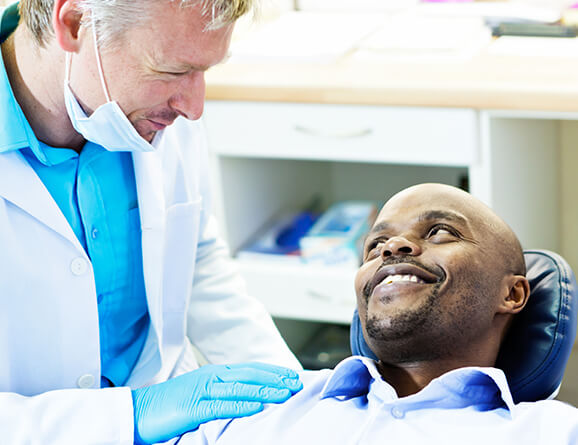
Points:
[(110, 265)]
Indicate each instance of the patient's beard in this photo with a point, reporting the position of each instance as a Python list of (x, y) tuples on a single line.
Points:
[(396, 335)]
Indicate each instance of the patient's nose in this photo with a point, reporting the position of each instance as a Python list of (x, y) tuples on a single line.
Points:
[(399, 245)]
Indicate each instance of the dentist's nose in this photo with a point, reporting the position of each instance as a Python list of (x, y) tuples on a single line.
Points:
[(189, 100), (399, 245)]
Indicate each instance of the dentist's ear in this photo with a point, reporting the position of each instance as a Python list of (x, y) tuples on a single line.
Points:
[(516, 295), (66, 22)]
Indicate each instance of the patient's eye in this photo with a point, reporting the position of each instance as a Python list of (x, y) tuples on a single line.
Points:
[(442, 233), (372, 249)]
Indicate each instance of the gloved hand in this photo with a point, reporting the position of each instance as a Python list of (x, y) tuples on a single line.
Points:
[(171, 408)]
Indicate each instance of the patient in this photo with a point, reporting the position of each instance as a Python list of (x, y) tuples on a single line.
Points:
[(442, 277)]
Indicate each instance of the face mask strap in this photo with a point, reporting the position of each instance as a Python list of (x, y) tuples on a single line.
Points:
[(99, 63), (68, 63)]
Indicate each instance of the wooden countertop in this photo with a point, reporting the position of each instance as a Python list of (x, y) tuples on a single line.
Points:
[(486, 81)]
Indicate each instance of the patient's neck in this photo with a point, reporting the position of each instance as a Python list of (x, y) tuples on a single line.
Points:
[(409, 366), (410, 378)]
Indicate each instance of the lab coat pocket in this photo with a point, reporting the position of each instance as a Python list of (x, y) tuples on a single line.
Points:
[(180, 250)]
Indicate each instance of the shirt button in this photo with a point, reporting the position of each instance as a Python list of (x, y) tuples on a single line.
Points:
[(94, 233), (79, 266), (85, 381), (99, 298), (397, 413)]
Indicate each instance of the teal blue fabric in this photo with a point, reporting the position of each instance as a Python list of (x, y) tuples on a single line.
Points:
[(9, 21), (96, 192)]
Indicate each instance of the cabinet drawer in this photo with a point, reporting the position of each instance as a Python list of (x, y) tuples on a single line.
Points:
[(404, 135), (305, 292)]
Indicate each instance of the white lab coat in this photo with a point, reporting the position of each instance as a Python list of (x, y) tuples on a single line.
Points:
[(49, 336)]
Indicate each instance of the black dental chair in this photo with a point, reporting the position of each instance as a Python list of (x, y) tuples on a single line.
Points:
[(537, 347)]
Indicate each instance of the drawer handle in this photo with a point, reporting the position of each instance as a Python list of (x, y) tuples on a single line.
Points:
[(318, 296), (345, 134), (329, 298)]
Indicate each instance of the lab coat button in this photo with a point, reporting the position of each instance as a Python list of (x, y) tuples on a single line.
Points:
[(85, 381), (397, 413), (79, 266)]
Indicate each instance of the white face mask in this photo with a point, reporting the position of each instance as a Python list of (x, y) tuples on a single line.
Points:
[(107, 125)]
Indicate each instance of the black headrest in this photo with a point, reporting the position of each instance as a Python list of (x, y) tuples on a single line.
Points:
[(537, 347)]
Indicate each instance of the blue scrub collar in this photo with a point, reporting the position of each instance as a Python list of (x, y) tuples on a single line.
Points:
[(9, 21)]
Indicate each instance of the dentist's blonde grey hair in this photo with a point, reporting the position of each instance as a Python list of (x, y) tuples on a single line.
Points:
[(113, 17)]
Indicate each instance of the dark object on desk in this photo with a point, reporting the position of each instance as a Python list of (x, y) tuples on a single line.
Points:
[(326, 348), (533, 30)]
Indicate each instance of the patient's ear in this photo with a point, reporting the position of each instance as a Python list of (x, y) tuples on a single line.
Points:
[(516, 295)]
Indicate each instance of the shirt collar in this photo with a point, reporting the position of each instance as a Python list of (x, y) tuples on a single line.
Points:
[(354, 375), (15, 131), (351, 378)]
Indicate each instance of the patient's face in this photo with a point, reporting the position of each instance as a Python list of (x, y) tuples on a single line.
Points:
[(430, 275)]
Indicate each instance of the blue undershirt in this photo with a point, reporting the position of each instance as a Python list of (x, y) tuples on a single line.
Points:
[(96, 192)]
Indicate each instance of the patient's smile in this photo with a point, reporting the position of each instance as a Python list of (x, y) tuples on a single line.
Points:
[(397, 278), (401, 275), (408, 287)]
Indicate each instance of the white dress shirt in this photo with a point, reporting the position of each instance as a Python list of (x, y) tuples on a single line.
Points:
[(354, 405)]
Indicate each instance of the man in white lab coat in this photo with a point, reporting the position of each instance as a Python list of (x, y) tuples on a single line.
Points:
[(109, 260)]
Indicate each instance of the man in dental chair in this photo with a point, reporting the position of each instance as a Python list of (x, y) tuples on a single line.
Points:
[(441, 280)]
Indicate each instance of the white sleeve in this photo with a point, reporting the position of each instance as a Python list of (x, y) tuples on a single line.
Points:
[(207, 434), (224, 322), (68, 417), (194, 438)]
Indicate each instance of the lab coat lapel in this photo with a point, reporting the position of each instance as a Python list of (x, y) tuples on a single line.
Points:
[(20, 185), (151, 200)]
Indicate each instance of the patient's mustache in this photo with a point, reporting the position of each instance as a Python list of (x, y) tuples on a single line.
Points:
[(434, 270)]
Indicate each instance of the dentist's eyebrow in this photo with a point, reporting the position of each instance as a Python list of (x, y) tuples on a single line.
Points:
[(157, 64)]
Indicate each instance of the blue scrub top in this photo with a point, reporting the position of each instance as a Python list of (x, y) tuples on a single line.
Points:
[(96, 192)]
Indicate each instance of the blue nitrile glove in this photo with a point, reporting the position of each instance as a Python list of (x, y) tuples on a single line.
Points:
[(171, 408)]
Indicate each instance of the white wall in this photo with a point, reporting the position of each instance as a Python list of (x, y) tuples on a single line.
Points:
[(568, 195)]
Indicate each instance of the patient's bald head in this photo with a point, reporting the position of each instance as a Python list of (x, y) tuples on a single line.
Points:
[(499, 235), (442, 275)]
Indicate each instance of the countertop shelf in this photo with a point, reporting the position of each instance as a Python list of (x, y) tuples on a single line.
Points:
[(486, 81)]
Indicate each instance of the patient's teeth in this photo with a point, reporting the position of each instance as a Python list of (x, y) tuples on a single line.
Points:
[(407, 277)]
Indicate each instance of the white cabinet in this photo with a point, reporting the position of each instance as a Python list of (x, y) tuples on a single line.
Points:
[(343, 133), (271, 157)]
